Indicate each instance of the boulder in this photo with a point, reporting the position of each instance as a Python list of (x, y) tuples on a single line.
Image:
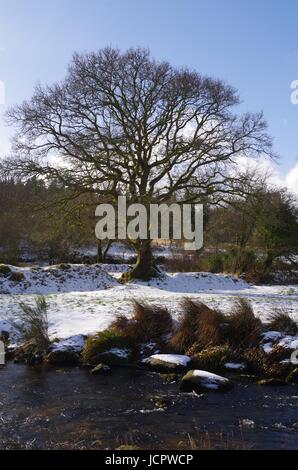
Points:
[(115, 357), (167, 362), (202, 381), (63, 358)]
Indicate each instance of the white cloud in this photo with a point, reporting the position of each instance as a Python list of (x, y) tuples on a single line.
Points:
[(273, 172), (292, 179)]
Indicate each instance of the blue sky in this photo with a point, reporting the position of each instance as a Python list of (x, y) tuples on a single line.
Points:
[(253, 45)]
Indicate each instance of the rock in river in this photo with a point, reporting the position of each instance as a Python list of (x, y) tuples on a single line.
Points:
[(167, 362), (202, 381)]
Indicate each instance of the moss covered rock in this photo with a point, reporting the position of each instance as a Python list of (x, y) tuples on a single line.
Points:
[(100, 369), (116, 357), (63, 358), (272, 382), (279, 370)]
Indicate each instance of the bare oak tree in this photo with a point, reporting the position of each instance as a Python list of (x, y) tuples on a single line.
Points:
[(124, 124)]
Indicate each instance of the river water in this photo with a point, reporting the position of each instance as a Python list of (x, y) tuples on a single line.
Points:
[(43, 408)]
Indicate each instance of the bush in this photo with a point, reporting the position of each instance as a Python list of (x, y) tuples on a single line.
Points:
[(243, 327), (280, 320), (103, 342), (4, 269), (34, 324), (278, 354), (198, 327), (149, 323), (279, 371), (213, 359), (256, 360), (215, 263), (182, 263)]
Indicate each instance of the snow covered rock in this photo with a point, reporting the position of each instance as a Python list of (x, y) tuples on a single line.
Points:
[(273, 339), (202, 381), (115, 357), (167, 362), (74, 343)]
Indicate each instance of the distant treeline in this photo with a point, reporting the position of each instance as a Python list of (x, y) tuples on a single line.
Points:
[(252, 234)]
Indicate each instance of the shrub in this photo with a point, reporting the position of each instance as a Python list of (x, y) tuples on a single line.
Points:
[(278, 354), (4, 269), (256, 360), (103, 342), (243, 327), (280, 320), (215, 263), (213, 359), (279, 371), (34, 324), (149, 323), (198, 327), (182, 263)]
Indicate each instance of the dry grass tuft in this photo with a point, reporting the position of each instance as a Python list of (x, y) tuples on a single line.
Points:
[(149, 323), (102, 342), (244, 328), (199, 327), (256, 360), (280, 320), (34, 324)]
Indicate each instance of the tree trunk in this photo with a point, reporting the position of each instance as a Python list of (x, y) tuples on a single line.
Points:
[(144, 268), (104, 256), (99, 252)]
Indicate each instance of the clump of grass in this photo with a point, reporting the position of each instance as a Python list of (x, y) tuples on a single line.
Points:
[(34, 324), (213, 359), (198, 327), (278, 353), (243, 327), (256, 360), (148, 323), (279, 320), (4, 269), (103, 342)]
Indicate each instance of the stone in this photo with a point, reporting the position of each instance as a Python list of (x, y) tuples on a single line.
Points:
[(100, 369), (203, 381)]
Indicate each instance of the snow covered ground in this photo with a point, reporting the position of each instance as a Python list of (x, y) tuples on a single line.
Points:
[(85, 299)]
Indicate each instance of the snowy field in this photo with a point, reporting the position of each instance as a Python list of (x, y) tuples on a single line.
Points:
[(85, 299)]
